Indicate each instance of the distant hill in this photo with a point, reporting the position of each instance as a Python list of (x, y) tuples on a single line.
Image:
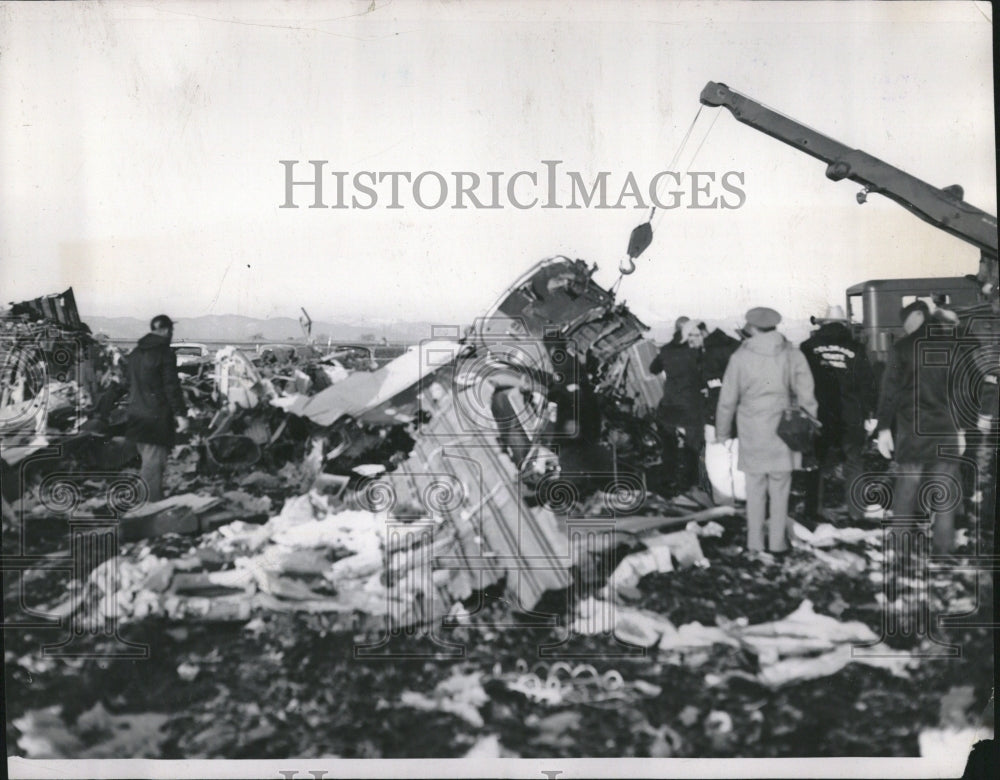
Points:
[(235, 327)]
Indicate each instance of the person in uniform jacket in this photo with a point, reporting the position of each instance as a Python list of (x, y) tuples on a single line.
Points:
[(756, 390), (914, 420), (846, 394), (719, 346), (681, 412), (156, 407)]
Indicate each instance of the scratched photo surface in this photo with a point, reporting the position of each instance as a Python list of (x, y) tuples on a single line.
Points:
[(497, 388)]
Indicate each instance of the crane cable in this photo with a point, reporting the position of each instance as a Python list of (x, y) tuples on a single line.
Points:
[(677, 156), (627, 265), (690, 162)]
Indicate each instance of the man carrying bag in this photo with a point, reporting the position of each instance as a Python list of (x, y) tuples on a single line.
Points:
[(756, 390)]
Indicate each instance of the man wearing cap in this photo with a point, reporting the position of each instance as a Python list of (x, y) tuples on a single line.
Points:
[(914, 420), (156, 406), (845, 391), (681, 412), (755, 391)]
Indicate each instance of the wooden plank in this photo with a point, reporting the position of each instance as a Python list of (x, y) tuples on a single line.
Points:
[(640, 524)]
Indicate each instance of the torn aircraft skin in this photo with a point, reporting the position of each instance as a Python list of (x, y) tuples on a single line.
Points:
[(544, 405)]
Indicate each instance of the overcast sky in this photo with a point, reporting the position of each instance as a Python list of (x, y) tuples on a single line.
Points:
[(140, 148)]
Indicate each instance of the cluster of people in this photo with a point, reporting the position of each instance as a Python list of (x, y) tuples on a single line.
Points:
[(694, 361), (723, 387)]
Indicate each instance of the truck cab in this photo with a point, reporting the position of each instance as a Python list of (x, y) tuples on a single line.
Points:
[(873, 306)]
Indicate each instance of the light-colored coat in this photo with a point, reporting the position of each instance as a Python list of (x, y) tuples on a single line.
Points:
[(755, 389)]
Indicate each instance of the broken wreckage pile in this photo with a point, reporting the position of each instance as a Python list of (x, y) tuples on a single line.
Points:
[(400, 497)]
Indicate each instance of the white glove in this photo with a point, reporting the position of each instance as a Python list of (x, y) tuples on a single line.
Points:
[(984, 422), (727, 440), (885, 446), (961, 441), (182, 423)]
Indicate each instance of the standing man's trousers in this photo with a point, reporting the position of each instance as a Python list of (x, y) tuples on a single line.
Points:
[(680, 462), (154, 463), (777, 485), (929, 490), (851, 454)]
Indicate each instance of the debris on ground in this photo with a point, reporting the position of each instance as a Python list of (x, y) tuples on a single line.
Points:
[(562, 683), (322, 502), (95, 734), (461, 695)]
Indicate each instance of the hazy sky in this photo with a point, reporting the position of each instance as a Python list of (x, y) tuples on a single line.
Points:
[(139, 149)]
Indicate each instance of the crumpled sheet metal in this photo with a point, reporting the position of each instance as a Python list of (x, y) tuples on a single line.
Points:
[(630, 373), (377, 397), (57, 307), (237, 379), (457, 469), (558, 294), (458, 472)]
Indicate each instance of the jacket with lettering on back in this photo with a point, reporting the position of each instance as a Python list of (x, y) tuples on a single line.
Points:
[(845, 382)]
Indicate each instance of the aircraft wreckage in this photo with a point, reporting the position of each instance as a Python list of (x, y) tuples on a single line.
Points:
[(502, 460), (541, 416)]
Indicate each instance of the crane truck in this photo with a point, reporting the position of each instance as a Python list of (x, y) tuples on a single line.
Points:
[(874, 305)]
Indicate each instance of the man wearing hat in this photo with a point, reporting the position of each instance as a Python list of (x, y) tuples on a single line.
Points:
[(846, 393), (156, 406), (755, 391), (681, 412), (914, 420)]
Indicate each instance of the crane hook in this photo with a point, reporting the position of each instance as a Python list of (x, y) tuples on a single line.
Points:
[(640, 239), (638, 242)]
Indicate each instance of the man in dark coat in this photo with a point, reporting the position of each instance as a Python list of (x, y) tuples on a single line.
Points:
[(156, 403), (915, 403), (718, 348), (845, 391), (681, 413), (679, 324)]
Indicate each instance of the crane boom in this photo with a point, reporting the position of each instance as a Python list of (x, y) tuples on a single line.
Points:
[(943, 208)]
